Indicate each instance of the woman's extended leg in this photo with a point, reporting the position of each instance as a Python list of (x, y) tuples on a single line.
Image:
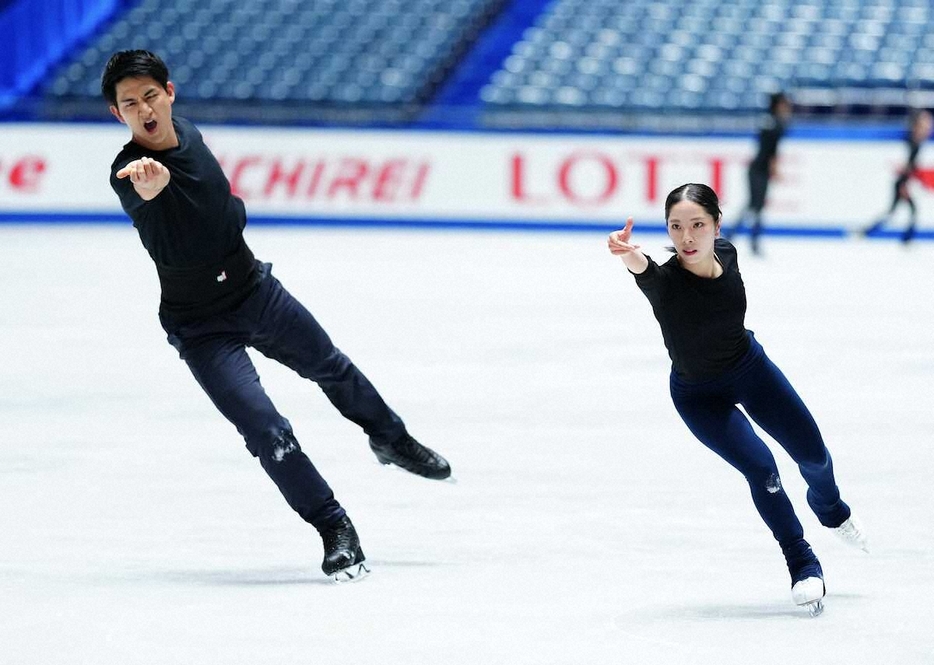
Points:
[(772, 402), (720, 426)]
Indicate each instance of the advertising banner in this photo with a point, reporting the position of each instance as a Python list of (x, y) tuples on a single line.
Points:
[(436, 177)]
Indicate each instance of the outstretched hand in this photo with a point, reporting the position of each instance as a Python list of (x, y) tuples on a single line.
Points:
[(620, 245), (618, 241), (148, 176)]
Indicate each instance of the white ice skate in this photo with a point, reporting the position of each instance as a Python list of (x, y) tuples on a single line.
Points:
[(851, 532), (809, 593)]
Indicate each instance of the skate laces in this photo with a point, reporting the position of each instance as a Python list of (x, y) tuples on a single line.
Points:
[(341, 535), (416, 451)]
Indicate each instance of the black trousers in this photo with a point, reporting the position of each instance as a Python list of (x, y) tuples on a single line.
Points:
[(758, 188), (709, 410), (274, 323)]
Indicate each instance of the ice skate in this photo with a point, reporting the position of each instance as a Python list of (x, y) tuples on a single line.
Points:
[(851, 532), (809, 593), (409, 454), (807, 577), (343, 558)]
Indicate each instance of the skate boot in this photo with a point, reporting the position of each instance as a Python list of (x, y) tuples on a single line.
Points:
[(343, 558), (851, 532), (807, 578), (409, 454)]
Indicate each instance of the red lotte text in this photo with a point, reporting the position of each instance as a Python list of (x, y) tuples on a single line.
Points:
[(594, 178)]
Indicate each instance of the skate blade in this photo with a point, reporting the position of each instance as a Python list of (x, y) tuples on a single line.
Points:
[(450, 479), (352, 573), (815, 607)]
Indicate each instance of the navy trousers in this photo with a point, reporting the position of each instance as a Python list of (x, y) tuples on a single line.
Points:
[(710, 412), (274, 323)]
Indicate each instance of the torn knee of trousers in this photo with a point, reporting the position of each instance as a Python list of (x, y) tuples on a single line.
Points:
[(773, 485), (278, 449), (281, 448)]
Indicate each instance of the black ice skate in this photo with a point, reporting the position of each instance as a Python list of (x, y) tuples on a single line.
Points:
[(409, 454), (807, 578), (343, 558)]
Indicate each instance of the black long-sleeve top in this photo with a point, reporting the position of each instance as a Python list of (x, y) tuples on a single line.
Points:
[(702, 319), (771, 132), (193, 229)]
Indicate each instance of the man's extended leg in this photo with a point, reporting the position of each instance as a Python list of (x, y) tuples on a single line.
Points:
[(290, 334), (226, 373)]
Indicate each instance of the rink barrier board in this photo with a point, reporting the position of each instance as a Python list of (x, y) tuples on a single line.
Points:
[(468, 180)]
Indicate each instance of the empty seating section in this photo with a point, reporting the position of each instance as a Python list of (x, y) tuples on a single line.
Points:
[(638, 56), (339, 52), (655, 56)]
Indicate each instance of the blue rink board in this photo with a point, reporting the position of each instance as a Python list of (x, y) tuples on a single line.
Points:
[(540, 226)]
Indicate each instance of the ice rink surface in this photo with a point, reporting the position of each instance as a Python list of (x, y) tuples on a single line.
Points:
[(586, 524)]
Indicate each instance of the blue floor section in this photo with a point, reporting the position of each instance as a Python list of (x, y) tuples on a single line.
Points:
[(462, 91)]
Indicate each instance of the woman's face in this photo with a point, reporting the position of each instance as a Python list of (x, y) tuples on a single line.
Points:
[(692, 230)]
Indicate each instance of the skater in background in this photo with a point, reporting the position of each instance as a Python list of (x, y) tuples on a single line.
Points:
[(919, 130), (764, 166), (699, 300), (217, 299)]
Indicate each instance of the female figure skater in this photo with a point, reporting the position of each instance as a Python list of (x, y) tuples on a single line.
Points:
[(699, 300)]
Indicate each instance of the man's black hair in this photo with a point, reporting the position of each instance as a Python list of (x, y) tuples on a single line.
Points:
[(132, 64)]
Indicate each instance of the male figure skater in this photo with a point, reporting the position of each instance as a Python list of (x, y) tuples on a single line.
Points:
[(217, 299), (763, 167)]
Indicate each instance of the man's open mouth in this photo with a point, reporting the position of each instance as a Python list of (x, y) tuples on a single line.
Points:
[(150, 126)]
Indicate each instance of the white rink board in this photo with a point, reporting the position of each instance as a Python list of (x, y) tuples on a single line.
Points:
[(437, 176), (586, 526)]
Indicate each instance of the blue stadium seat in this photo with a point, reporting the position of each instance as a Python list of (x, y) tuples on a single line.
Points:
[(341, 53), (707, 55), (634, 56)]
